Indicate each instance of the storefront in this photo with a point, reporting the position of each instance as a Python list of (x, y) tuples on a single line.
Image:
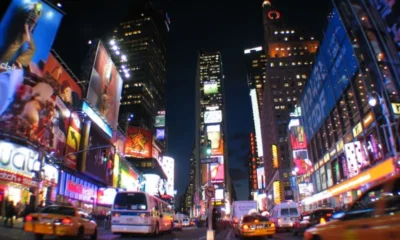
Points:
[(18, 165), (347, 191), (78, 192)]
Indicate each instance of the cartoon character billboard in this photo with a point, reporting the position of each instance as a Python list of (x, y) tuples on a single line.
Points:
[(105, 86)]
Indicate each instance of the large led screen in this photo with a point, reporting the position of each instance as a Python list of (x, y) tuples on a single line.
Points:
[(105, 86), (160, 121), (261, 178), (213, 116), (218, 170), (139, 143), (334, 66), (301, 161), (32, 103), (210, 88), (215, 136)]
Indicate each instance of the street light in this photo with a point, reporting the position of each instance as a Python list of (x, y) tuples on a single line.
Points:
[(373, 100)]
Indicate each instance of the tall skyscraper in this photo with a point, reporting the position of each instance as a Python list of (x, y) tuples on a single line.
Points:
[(210, 126), (142, 41), (290, 53)]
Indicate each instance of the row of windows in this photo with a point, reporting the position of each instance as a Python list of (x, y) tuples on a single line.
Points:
[(133, 33), (131, 102), (288, 99), (283, 64)]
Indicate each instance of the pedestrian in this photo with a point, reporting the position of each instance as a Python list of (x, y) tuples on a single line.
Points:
[(10, 213)]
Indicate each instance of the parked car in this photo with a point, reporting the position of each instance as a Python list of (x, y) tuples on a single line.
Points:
[(311, 218), (177, 225), (374, 215)]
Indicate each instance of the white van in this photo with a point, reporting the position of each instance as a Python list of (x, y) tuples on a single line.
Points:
[(284, 214)]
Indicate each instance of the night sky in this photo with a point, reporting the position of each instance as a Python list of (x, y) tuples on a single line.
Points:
[(230, 26)]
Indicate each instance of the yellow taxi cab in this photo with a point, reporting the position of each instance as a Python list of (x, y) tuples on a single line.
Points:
[(374, 215), (61, 221), (255, 225)]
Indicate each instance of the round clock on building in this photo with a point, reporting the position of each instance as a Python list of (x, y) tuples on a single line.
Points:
[(274, 14)]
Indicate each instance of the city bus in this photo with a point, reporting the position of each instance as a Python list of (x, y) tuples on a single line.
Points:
[(139, 212)]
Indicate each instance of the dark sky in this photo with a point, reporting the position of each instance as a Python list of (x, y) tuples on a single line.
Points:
[(230, 26)]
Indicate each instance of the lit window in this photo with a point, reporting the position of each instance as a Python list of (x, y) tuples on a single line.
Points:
[(276, 32), (293, 63), (280, 63), (286, 84), (312, 38), (303, 76), (277, 49), (301, 38), (292, 31), (287, 32), (275, 100), (299, 84), (282, 32), (298, 76), (272, 64), (283, 107), (286, 38), (276, 107)]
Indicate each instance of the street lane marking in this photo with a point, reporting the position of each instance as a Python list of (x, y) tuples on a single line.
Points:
[(228, 237), (204, 237)]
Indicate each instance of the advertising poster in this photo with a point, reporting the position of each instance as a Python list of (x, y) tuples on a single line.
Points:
[(139, 143), (105, 86), (218, 170), (298, 138), (76, 188), (99, 161), (73, 141), (301, 161), (70, 91), (260, 178), (356, 158), (29, 106), (160, 134), (214, 134), (118, 140), (213, 116), (160, 121), (210, 88)]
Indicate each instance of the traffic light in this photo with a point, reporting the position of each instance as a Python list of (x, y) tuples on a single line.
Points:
[(105, 155), (208, 149)]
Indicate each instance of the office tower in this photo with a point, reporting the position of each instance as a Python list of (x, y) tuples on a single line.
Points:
[(210, 125), (140, 42), (290, 53)]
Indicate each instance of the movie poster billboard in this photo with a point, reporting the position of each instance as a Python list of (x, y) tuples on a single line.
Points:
[(31, 100), (214, 134), (73, 141), (139, 143), (105, 86), (99, 163), (218, 170)]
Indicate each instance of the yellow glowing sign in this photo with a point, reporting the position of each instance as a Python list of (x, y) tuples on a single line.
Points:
[(275, 161), (357, 129), (277, 192), (367, 120), (396, 108), (339, 145), (326, 158), (116, 171)]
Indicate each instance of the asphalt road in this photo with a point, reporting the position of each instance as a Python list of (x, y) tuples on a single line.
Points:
[(186, 234)]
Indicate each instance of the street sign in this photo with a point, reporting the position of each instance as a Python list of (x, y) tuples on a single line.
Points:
[(210, 191), (209, 160)]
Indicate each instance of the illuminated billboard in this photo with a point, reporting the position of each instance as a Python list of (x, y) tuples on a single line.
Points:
[(139, 143), (213, 116), (334, 67), (219, 194), (160, 121), (277, 192), (301, 161), (214, 134), (261, 178), (73, 141), (275, 159), (160, 134), (257, 121), (356, 158), (218, 170), (210, 88), (298, 138), (104, 92)]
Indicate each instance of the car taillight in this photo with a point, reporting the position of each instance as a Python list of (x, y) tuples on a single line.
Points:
[(245, 227), (66, 221), (28, 218), (143, 215), (116, 215), (273, 225), (279, 220), (322, 221)]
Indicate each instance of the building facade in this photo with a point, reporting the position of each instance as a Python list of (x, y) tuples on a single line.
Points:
[(349, 106), (210, 126), (141, 48), (290, 54)]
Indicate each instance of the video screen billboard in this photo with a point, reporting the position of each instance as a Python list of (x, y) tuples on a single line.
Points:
[(261, 178), (210, 88), (160, 134), (214, 134), (298, 138), (28, 30), (139, 143), (301, 161), (160, 121), (105, 86), (73, 141), (213, 116), (334, 66), (218, 170), (99, 161)]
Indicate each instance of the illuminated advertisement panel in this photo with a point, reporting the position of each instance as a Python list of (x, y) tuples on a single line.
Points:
[(215, 136), (139, 143), (118, 140), (260, 178), (153, 184), (275, 160), (106, 196), (99, 163), (160, 121), (355, 157), (213, 116), (257, 121), (73, 141), (210, 88), (218, 170), (160, 134), (306, 189), (334, 66), (105, 86), (277, 192), (77, 188), (301, 161), (298, 138), (219, 194)]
